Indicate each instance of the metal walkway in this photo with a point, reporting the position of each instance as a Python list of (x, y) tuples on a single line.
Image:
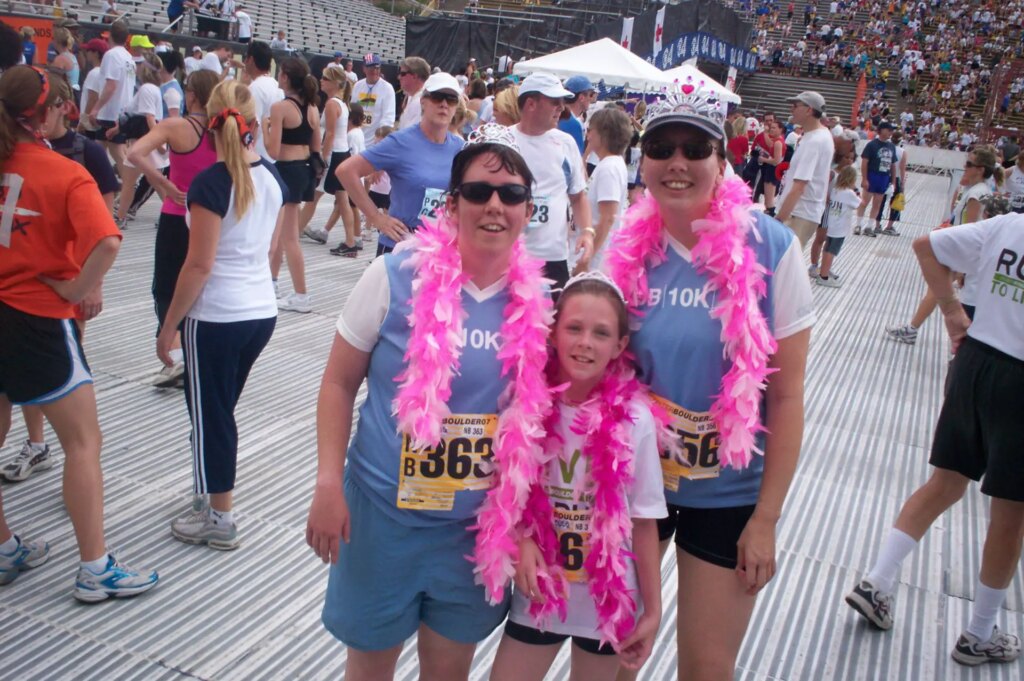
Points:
[(254, 613)]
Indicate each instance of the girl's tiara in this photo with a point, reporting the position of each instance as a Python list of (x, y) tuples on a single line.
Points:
[(595, 275), (493, 133)]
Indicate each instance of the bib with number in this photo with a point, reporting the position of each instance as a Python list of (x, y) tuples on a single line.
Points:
[(429, 478), (541, 213), (698, 444), (433, 199), (573, 528)]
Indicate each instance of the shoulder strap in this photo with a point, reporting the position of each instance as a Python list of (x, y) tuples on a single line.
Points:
[(76, 152)]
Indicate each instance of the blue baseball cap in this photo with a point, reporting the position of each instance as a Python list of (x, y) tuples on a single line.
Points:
[(578, 84), (371, 59), (337, 54)]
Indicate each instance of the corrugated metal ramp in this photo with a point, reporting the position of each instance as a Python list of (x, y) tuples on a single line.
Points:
[(254, 613)]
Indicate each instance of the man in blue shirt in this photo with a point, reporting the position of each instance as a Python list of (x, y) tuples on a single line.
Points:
[(576, 108), (877, 172)]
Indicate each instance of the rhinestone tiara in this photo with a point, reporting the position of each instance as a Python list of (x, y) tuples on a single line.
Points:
[(493, 133), (595, 275), (695, 102)]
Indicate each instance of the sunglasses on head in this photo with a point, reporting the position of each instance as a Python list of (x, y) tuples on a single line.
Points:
[(446, 97), (481, 192), (692, 151)]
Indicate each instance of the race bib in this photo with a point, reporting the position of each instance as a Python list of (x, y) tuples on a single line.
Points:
[(698, 445), (429, 478), (433, 199), (541, 213), (573, 528)]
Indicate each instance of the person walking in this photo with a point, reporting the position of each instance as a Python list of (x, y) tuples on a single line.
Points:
[(805, 190)]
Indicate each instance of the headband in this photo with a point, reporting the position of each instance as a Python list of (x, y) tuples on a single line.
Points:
[(218, 121), (44, 82)]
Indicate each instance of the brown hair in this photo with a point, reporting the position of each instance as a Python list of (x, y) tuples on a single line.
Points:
[(601, 289), (417, 66), (614, 127), (986, 157), (201, 84), (300, 79), (230, 94), (20, 88), (148, 70)]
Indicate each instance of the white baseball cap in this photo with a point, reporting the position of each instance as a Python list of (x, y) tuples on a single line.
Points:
[(545, 84), (442, 81)]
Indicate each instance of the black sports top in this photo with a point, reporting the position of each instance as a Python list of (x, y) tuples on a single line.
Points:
[(301, 134)]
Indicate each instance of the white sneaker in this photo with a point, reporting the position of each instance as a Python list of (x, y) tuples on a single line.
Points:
[(812, 271), (170, 377), (296, 302), (831, 282)]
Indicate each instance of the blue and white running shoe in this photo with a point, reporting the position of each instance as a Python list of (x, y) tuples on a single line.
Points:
[(28, 555), (117, 580)]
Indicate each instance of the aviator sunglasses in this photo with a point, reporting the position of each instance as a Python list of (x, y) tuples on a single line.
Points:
[(692, 151), (481, 192), (446, 97)]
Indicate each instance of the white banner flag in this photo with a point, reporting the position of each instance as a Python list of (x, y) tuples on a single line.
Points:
[(659, 30), (730, 80), (627, 33)]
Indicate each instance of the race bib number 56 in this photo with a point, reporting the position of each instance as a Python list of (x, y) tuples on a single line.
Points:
[(697, 458), (429, 478)]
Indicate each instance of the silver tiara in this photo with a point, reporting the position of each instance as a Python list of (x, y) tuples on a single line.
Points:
[(595, 275), (493, 133), (695, 98)]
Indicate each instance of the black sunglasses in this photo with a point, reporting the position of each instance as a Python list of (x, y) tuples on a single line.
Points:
[(969, 164), (403, 73), (481, 192), (692, 151), (439, 97)]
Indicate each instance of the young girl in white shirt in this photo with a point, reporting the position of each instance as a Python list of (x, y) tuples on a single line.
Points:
[(843, 201), (593, 507)]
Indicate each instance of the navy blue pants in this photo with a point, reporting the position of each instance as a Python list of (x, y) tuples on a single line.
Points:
[(218, 358)]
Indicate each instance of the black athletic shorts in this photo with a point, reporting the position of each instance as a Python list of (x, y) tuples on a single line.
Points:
[(382, 201), (101, 134), (980, 429), (41, 359), (331, 184), (709, 534), (536, 637), (298, 177), (171, 249)]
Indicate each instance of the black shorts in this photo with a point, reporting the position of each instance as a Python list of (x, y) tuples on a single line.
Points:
[(382, 201), (169, 256), (383, 250), (41, 359), (332, 184), (93, 135), (557, 271), (298, 177), (979, 432), (709, 534), (833, 244), (101, 134), (536, 637)]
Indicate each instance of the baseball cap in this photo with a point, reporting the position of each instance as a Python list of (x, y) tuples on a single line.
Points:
[(545, 84), (337, 54), (489, 71), (811, 99), (371, 59), (141, 41), (196, 48), (696, 106), (885, 125), (96, 45), (442, 81), (578, 84)]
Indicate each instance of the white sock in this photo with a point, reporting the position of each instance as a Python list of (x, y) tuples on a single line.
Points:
[(987, 603), (37, 446), (98, 566), (221, 518), (10, 546), (176, 355), (896, 547)]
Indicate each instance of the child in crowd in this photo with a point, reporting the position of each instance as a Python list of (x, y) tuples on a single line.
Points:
[(842, 209), (600, 495)]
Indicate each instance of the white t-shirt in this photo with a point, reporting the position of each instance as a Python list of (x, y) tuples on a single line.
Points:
[(486, 110), (352, 77), (118, 66), (842, 208), (211, 62), (608, 183), (969, 293), (93, 83), (990, 251), (554, 159), (811, 162), (1014, 186), (356, 141), (173, 99), (192, 65), (378, 102), (244, 24), (569, 488), (265, 93), (148, 102), (413, 111)]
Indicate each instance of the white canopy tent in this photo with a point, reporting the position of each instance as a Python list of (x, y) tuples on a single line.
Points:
[(684, 71), (603, 60)]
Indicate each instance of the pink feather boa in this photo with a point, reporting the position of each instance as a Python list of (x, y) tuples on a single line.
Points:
[(723, 256)]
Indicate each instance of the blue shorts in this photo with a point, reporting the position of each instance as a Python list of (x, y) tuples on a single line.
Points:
[(391, 578), (878, 182)]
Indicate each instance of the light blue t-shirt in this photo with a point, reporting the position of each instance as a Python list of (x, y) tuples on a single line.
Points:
[(417, 489), (415, 165), (172, 85), (679, 353)]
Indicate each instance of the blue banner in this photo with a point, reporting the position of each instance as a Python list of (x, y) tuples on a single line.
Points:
[(704, 46)]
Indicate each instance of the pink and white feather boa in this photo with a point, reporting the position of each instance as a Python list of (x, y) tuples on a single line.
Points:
[(734, 274)]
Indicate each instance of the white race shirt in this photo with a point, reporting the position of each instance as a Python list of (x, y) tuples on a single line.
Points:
[(118, 66), (811, 162), (265, 93)]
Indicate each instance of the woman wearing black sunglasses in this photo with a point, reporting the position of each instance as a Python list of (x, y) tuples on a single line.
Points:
[(424, 327), (417, 159), (724, 321)]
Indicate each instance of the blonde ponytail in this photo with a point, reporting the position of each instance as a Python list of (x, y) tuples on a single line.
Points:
[(232, 115)]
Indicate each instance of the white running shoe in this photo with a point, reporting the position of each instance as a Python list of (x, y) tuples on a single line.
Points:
[(117, 581), (296, 302), (28, 460), (972, 651)]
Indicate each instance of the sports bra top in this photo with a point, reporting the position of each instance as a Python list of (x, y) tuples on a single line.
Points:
[(300, 134)]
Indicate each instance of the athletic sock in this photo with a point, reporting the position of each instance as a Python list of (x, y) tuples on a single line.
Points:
[(222, 518), (176, 355), (37, 446), (896, 547), (97, 567), (10, 546), (987, 602)]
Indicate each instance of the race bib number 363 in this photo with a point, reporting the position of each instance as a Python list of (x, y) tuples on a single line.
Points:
[(697, 458), (429, 478)]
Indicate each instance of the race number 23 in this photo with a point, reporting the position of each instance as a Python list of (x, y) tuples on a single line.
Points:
[(697, 457), (429, 478)]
